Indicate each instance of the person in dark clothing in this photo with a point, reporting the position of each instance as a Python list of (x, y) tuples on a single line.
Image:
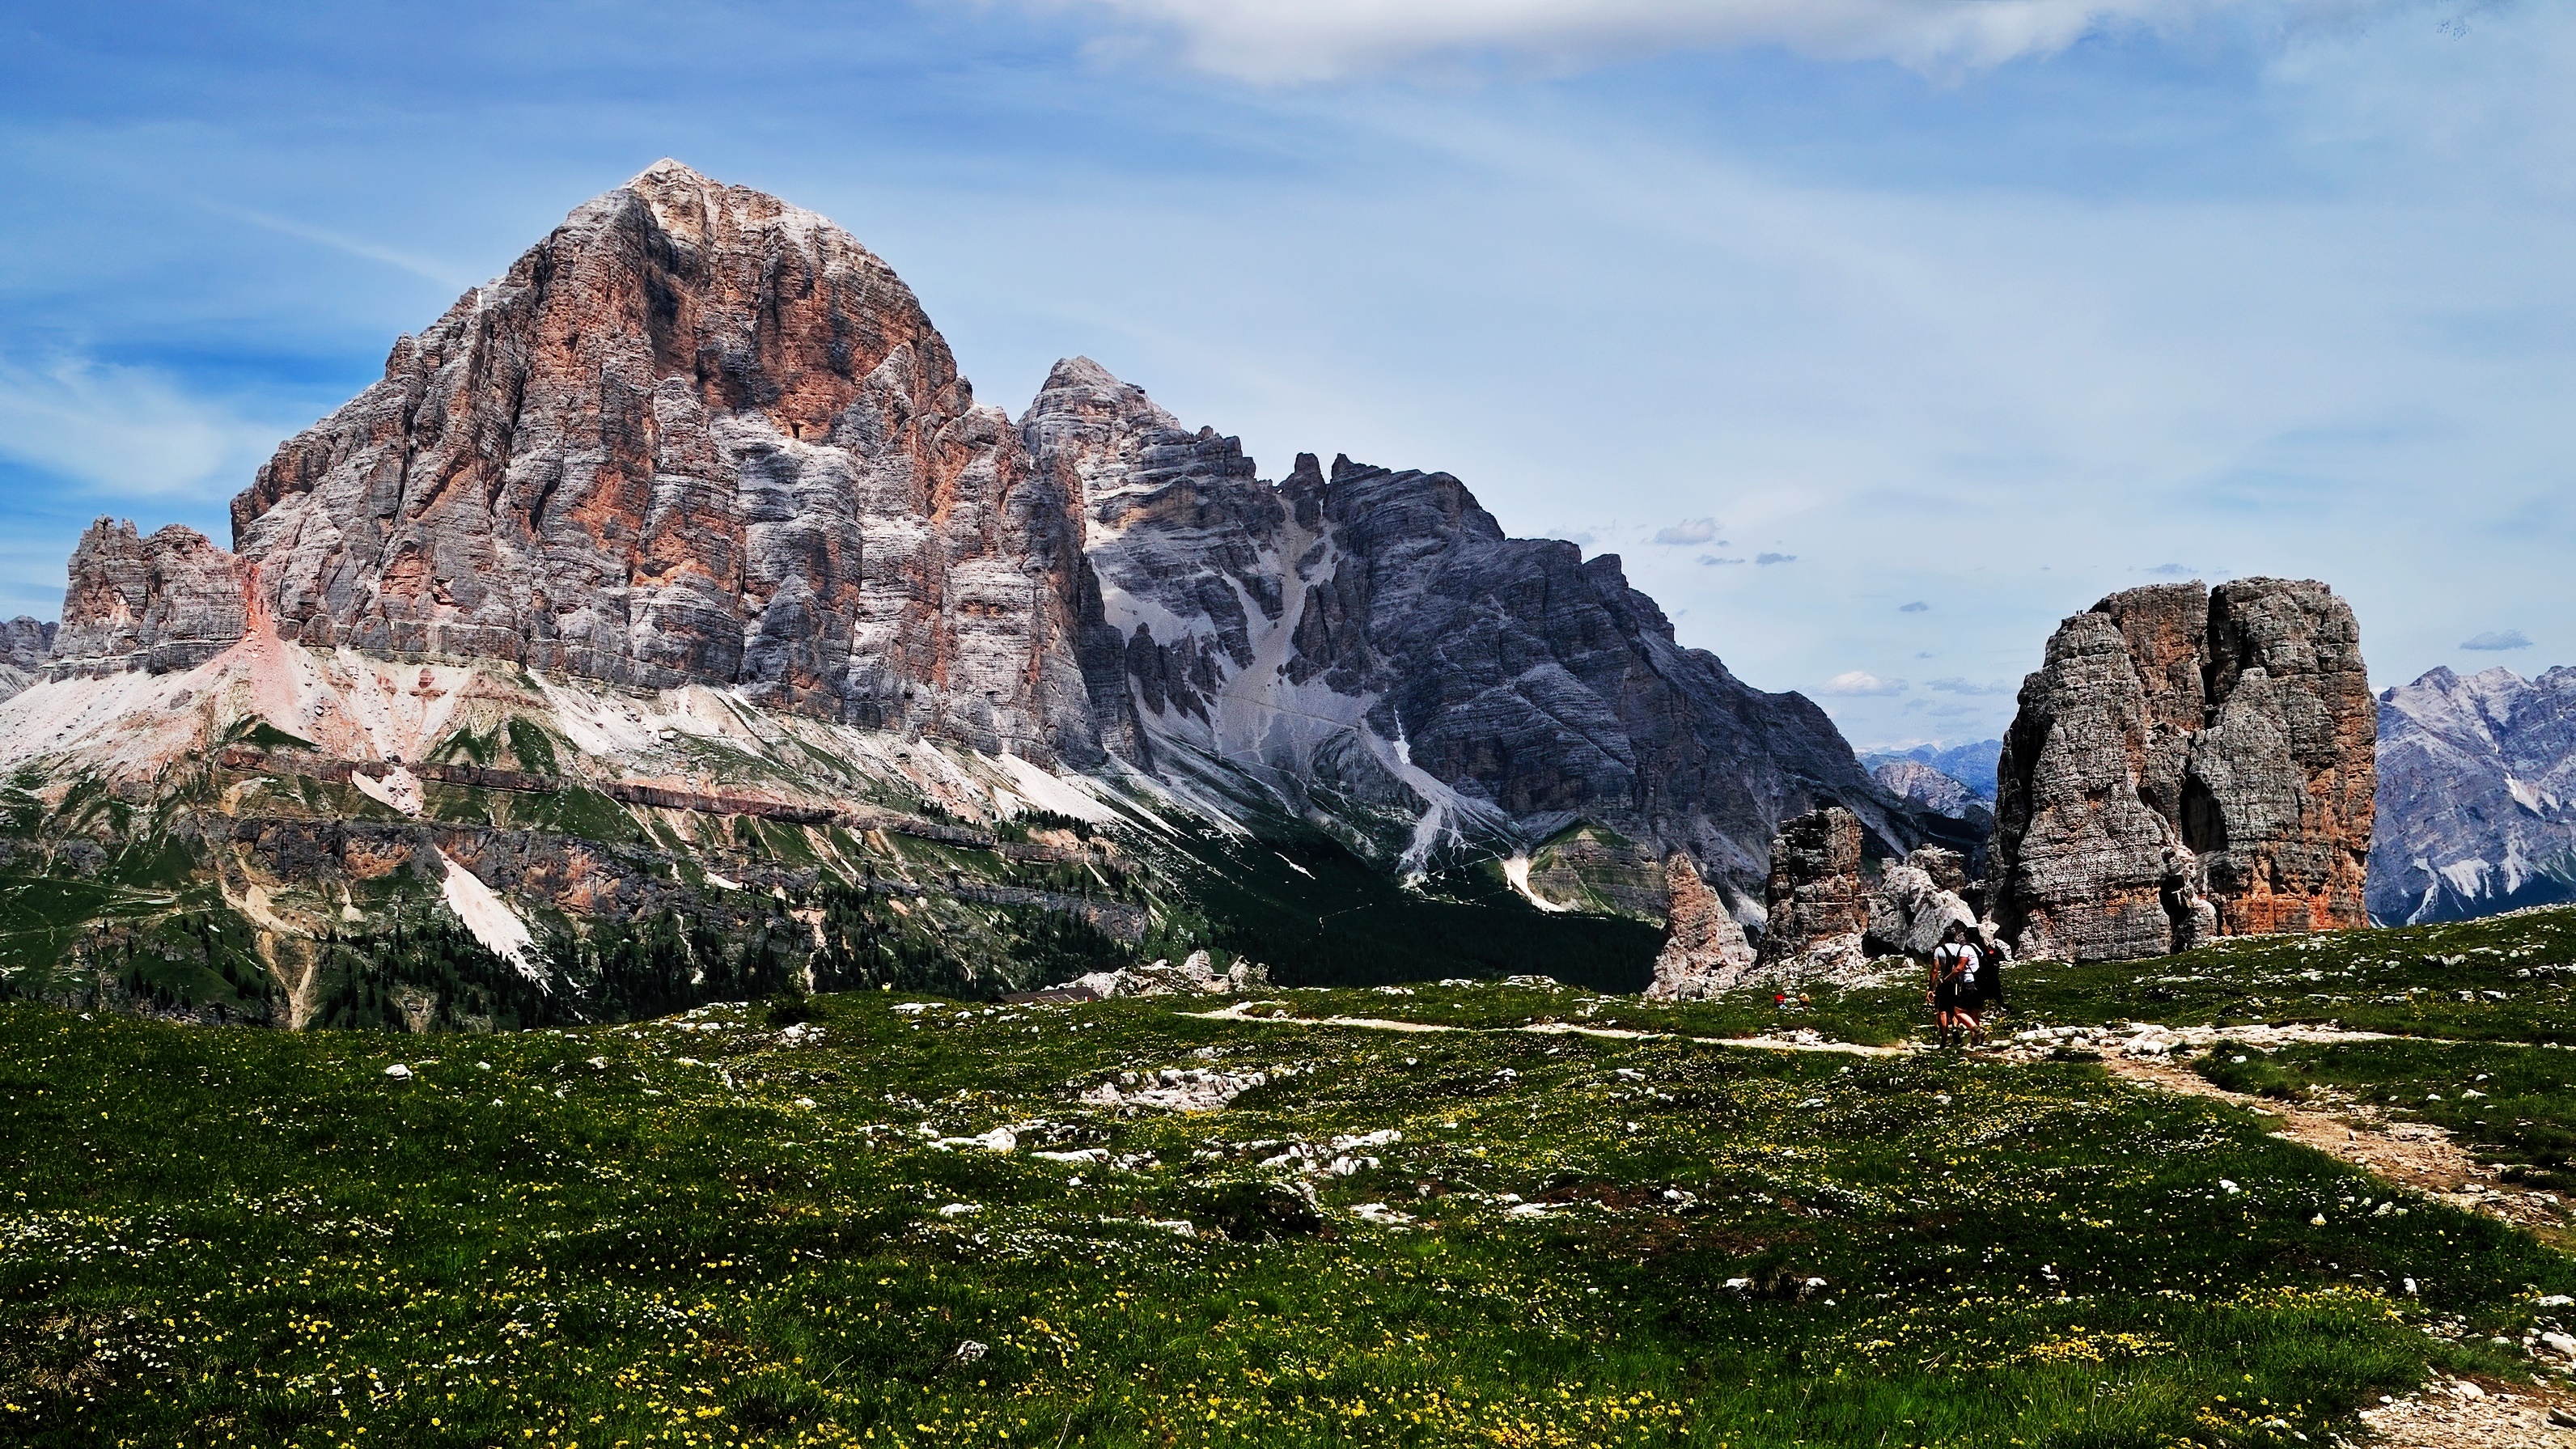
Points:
[(1954, 994), (1990, 980)]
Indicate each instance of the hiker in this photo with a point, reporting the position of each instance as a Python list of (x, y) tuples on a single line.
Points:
[(1954, 988), (1990, 980)]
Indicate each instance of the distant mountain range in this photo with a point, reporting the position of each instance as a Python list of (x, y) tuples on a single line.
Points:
[(677, 580), (1972, 764), (2477, 795)]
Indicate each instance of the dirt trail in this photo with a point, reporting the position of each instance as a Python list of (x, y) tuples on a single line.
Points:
[(1802, 1042), (2459, 1415), (2414, 1154)]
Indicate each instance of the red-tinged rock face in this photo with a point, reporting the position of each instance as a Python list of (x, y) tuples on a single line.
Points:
[(2188, 763), (695, 436), (171, 601)]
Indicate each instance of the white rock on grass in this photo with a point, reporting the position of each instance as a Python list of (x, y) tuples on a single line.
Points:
[(398, 1072)]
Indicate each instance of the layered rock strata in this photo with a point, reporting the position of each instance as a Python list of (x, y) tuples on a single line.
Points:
[(699, 437), (1705, 952), (2477, 796), (1817, 910), (695, 436), (170, 601), (25, 645), (1363, 639), (2187, 763)]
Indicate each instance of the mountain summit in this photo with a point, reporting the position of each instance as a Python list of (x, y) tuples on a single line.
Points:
[(697, 437)]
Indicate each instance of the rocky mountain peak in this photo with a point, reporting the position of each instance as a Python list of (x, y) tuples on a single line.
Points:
[(2477, 795), (694, 436)]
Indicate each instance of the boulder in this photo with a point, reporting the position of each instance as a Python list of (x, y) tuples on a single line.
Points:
[(1909, 913)]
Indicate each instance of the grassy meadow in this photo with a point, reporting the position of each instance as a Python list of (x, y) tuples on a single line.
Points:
[(772, 1223)]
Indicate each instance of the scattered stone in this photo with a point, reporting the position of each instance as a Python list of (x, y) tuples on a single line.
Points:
[(1176, 1089), (1195, 976)]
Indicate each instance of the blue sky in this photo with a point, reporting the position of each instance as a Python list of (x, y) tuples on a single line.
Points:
[(1991, 306)]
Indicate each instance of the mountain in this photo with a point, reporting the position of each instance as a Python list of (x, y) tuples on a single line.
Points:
[(1919, 782), (2477, 795), (681, 558), (25, 646), (1972, 765), (1368, 647)]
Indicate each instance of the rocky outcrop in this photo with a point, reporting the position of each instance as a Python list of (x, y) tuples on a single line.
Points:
[(1704, 952), (1817, 910), (2477, 796), (170, 601), (2187, 763), (695, 436), (25, 644), (1910, 912), (1367, 643), (1195, 976)]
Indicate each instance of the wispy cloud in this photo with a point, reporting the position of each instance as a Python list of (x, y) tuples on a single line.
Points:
[(1688, 531), (1768, 559), (126, 430), (1966, 686), (1713, 559), (1858, 682), (1314, 40), (395, 257), (1917, 607), (2498, 639), (2171, 571)]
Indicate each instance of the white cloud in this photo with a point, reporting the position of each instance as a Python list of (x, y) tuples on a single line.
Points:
[(1967, 686), (1861, 682), (1768, 559), (1315, 40), (2498, 639), (125, 430), (1689, 530)]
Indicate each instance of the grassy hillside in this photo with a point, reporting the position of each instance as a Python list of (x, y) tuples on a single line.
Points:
[(740, 1226)]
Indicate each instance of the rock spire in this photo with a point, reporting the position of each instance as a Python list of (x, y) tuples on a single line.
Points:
[(2187, 762)]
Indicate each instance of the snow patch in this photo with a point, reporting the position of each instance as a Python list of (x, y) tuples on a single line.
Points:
[(1045, 791), (1516, 869), (489, 918)]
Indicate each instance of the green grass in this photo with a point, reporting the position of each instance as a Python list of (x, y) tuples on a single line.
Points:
[(247, 1237), (2510, 1105), (2518, 973)]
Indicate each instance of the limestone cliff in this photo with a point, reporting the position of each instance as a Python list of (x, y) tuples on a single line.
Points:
[(170, 601), (695, 436), (1368, 638), (2187, 763)]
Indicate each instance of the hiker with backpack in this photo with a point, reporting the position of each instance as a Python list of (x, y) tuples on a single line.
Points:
[(1955, 991)]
